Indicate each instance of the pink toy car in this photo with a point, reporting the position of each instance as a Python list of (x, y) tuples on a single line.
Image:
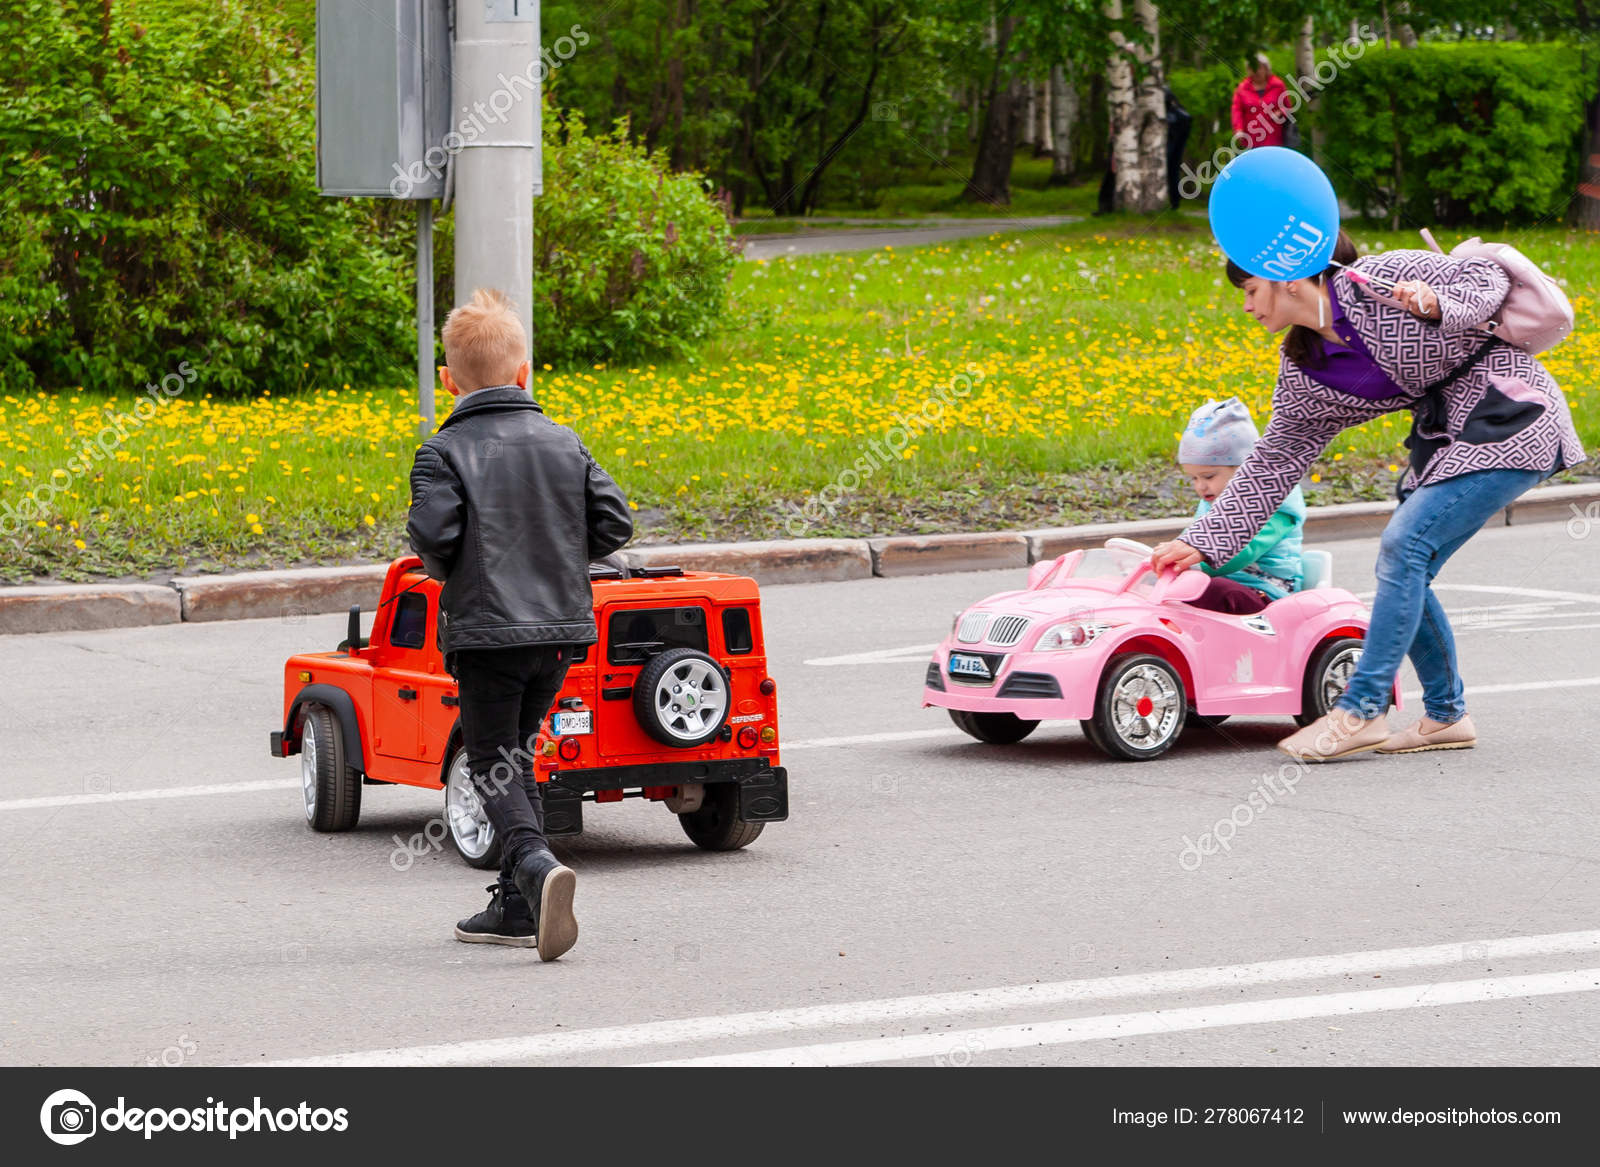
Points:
[(1097, 637)]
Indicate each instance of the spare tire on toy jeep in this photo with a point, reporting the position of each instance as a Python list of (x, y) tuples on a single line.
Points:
[(681, 698)]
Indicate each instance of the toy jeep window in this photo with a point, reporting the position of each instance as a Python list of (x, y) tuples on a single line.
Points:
[(410, 621), (637, 635), (736, 636)]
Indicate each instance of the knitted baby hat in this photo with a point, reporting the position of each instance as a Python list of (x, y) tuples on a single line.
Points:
[(1219, 433)]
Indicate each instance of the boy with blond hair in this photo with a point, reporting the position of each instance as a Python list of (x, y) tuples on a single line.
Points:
[(494, 495)]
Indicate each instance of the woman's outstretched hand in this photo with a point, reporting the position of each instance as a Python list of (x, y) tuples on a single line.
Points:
[(1418, 297), (1177, 555)]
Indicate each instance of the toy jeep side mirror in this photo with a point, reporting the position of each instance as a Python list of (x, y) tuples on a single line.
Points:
[(352, 632)]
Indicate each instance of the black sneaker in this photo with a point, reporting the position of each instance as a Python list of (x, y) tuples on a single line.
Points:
[(548, 885), (505, 921)]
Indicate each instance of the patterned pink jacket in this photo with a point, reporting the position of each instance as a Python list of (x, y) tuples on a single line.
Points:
[(1505, 413)]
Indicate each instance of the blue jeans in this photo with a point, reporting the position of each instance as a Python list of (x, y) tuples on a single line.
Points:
[(1427, 528)]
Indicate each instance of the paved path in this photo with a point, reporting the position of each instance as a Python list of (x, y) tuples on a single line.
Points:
[(931, 900), (937, 231)]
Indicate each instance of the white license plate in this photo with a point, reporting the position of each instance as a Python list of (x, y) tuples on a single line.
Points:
[(572, 721), (965, 665)]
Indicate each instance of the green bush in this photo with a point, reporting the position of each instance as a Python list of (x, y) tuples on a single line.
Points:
[(158, 205), (629, 258), (1485, 131)]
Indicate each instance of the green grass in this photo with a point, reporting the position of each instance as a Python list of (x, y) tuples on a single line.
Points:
[(1094, 340)]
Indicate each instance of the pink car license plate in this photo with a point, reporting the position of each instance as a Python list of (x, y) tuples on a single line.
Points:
[(964, 664)]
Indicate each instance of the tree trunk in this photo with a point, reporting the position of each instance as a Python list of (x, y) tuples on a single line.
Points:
[(991, 170), (974, 112), (1123, 129), (1043, 136), (1305, 57), (1027, 111), (1399, 172), (1305, 64), (1408, 36), (1063, 119), (1137, 108)]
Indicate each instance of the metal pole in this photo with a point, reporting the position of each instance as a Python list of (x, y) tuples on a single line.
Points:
[(425, 371), (496, 113)]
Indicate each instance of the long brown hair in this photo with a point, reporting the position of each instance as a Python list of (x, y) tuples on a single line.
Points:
[(1302, 345)]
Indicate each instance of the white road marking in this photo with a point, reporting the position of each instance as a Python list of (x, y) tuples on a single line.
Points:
[(1536, 593), (881, 656), (976, 1042), (147, 795), (54, 800), (920, 1008), (868, 739), (821, 743), (1518, 687)]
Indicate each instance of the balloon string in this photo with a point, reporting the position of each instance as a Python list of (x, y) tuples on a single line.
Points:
[(1362, 277)]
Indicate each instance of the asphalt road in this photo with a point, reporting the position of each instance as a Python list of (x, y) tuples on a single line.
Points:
[(930, 901)]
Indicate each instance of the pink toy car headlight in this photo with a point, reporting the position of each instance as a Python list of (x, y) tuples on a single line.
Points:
[(1071, 634)]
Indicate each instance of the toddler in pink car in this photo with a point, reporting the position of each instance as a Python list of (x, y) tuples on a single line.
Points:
[(1215, 443)]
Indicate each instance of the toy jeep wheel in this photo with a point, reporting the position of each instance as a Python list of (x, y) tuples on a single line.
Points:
[(1001, 729), (1328, 676), (1140, 709), (332, 789), (681, 698), (716, 826), (471, 833)]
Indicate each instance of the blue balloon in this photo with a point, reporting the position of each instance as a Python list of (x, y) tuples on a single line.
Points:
[(1274, 213)]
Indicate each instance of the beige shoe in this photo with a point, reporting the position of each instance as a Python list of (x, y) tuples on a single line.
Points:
[(1458, 735), (1335, 735)]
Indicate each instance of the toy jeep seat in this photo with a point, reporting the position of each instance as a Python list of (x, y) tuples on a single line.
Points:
[(1318, 570)]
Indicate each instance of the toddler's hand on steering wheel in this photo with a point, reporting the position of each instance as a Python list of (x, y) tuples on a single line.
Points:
[(1177, 555)]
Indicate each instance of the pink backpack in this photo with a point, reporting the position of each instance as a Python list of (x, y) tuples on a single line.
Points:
[(1536, 315)]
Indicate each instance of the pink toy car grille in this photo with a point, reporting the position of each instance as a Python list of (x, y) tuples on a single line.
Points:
[(972, 626), (1007, 630)]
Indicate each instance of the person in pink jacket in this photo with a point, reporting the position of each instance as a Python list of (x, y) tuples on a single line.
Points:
[(1257, 105), (1488, 423)]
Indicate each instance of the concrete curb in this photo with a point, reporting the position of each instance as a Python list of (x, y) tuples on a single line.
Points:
[(767, 562), (304, 591), (80, 607), (290, 594), (932, 554)]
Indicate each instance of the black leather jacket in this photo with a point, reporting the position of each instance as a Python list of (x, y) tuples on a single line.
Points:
[(508, 509)]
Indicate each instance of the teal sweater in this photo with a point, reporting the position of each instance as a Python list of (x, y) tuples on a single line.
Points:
[(1275, 551)]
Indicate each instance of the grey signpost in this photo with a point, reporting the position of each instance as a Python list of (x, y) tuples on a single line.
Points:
[(434, 99)]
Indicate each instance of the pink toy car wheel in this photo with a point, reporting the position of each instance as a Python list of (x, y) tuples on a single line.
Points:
[(1328, 676), (1000, 729), (1140, 709)]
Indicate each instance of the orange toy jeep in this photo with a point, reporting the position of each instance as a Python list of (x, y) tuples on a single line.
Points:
[(673, 704)]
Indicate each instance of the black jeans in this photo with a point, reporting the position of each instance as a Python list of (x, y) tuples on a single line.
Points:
[(505, 694)]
